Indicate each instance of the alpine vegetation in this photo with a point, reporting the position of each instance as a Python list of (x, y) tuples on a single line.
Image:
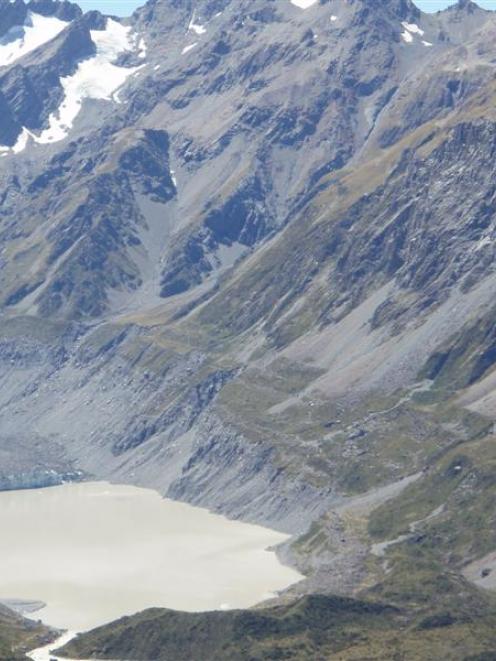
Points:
[(247, 256)]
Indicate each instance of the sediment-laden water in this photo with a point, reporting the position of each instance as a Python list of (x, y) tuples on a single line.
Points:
[(94, 552)]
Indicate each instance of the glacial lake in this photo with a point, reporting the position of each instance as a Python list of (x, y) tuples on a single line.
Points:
[(93, 552)]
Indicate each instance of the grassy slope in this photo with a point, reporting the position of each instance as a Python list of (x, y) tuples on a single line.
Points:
[(314, 623), (18, 635), (315, 627)]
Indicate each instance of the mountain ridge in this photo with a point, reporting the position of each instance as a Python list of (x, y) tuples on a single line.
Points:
[(251, 277)]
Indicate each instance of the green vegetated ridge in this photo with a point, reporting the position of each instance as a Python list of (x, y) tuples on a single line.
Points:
[(314, 627), (18, 635)]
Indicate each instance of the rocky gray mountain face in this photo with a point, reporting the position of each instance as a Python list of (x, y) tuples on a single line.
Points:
[(246, 258)]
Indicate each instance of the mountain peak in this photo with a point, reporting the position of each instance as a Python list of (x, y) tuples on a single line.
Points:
[(402, 8), (15, 13), (63, 9), (466, 5)]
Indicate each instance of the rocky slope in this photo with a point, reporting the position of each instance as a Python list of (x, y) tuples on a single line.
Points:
[(247, 259)]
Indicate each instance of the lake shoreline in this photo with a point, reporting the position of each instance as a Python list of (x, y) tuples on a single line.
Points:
[(144, 541)]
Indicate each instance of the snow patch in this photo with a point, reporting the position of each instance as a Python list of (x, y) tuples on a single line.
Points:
[(303, 4), (334, 18), (22, 141), (485, 241), (197, 28), (95, 78), (186, 49), (22, 39), (114, 40), (142, 48), (413, 28)]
